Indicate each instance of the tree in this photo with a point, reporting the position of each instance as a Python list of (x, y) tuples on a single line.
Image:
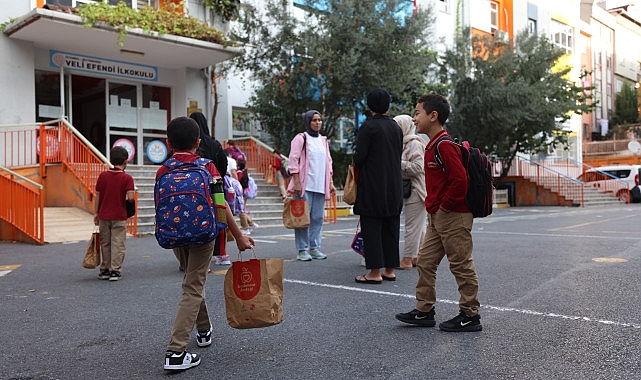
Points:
[(509, 97), (331, 59), (626, 106)]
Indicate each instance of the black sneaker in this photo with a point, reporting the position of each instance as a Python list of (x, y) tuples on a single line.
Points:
[(463, 323), (114, 276), (176, 361), (203, 338), (417, 317), (104, 275)]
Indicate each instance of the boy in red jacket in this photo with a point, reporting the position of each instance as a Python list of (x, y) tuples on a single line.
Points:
[(449, 232)]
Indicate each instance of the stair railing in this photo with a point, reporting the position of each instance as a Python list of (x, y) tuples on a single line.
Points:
[(22, 205), (568, 187)]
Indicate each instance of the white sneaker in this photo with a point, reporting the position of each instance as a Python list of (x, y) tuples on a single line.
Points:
[(176, 361), (245, 232), (316, 254), (222, 260), (203, 338), (304, 256)]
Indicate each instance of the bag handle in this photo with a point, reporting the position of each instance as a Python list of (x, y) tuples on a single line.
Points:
[(253, 255)]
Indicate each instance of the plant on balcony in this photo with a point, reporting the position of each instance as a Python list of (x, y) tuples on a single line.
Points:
[(169, 20), (228, 9)]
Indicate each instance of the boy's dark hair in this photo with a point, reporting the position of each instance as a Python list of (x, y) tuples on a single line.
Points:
[(183, 133), (438, 103), (118, 155), (276, 151), (241, 164)]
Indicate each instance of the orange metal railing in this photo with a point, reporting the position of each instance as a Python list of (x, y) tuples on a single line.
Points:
[(260, 158), (63, 144), (568, 187), (22, 205)]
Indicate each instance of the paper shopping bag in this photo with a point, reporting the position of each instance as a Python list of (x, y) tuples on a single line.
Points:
[(254, 293), (349, 190), (295, 213), (92, 254)]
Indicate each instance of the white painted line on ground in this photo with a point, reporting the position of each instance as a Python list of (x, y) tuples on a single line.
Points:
[(3, 272), (555, 235), (496, 308)]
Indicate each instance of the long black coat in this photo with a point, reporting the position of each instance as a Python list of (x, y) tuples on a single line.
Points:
[(379, 146)]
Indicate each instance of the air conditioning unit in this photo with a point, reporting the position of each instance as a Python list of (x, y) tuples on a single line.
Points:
[(502, 35)]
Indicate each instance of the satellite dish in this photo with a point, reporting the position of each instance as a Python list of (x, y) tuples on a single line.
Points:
[(634, 147)]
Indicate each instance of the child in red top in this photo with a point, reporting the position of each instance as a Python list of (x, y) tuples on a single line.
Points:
[(113, 188), (279, 173)]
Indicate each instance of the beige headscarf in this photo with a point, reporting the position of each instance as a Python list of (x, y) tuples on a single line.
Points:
[(409, 129)]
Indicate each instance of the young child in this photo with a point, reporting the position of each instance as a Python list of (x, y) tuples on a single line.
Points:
[(246, 222), (183, 138), (113, 188), (279, 173)]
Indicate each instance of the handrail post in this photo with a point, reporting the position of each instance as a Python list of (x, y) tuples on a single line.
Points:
[(43, 151)]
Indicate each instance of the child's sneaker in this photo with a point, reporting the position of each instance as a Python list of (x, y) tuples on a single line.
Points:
[(104, 275), (222, 260), (462, 322), (180, 360), (114, 276), (203, 338)]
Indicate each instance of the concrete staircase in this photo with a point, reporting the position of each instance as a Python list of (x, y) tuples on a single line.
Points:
[(266, 209), (595, 197)]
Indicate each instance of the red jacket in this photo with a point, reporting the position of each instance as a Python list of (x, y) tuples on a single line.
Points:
[(186, 156), (446, 190)]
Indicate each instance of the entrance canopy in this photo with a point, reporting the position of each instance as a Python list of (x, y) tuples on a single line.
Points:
[(49, 29)]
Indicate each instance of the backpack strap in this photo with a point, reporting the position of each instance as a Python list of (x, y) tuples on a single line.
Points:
[(437, 154)]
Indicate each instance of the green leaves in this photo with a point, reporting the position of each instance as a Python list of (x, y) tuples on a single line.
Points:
[(150, 20), (510, 97)]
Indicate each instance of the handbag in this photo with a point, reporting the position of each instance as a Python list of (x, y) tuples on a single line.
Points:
[(254, 292), (295, 213), (92, 254), (407, 188), (349, 190), (357, 243)]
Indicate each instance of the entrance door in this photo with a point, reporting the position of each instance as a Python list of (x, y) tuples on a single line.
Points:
[(137, 116)]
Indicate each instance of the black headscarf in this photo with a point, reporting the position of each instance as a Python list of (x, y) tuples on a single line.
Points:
[(307, 119)]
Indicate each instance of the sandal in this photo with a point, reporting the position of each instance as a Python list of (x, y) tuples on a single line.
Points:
[(365, 280)]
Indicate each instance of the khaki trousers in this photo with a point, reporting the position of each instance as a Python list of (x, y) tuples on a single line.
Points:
[(448, 234), (113, 234), (192, 310)]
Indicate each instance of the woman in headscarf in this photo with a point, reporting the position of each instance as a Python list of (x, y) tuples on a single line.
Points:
[(310, 164), (413, 171)]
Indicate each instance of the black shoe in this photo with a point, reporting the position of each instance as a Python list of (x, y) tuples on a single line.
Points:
[(180, 360), (417, 317), (104, 275), (463, 323), (203, 338), (114, 276)]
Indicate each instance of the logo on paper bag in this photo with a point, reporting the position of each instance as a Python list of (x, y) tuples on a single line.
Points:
[(246, 278), (297, 208)]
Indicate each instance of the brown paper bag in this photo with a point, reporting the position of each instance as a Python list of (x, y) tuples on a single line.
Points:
[(254, 293), (296, 213), (92, 254), (349, 190)]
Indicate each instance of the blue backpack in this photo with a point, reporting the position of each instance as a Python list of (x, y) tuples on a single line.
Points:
[(185, 211)]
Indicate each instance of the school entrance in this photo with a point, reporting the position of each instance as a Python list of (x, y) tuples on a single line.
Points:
[(108, 112)]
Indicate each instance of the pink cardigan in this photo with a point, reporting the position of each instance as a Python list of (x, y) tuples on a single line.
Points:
[(302, 167)]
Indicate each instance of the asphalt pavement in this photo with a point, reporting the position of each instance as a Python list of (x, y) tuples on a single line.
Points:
[(559, 291)]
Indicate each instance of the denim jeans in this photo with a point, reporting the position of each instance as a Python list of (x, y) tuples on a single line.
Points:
[(310, 237)]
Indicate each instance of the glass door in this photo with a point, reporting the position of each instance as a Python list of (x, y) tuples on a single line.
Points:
[(122, 118)]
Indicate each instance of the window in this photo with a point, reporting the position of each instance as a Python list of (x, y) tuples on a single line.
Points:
[(494, 16), (562, 36), (531, 26)]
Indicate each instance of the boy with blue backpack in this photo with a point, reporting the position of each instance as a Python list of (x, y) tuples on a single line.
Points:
[(186, 222)]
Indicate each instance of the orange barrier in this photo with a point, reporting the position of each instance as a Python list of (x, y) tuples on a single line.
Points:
[(22, 205)]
